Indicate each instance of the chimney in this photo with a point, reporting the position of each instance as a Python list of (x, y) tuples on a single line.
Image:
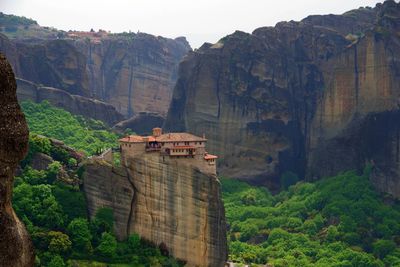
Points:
[(204, 136), (157, 132)]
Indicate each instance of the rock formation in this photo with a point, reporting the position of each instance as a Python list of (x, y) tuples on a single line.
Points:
[(169, 203), (79, 105), (142, 123), (15, 245), (133, 72), (294, 97)]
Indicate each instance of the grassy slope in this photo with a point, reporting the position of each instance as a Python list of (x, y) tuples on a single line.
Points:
[(85, 135)]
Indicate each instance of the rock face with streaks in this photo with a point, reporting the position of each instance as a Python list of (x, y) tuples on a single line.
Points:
[(165, 201), (15, 245), (313, 97), (133, 72)]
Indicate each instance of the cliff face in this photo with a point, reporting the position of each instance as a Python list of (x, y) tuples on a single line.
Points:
[(286, 98), (171, 204), (133, 72), (15, 245), (143, 123), (75, 104)]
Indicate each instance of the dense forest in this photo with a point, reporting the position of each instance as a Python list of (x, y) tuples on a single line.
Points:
[(337, 221), (52, 206)]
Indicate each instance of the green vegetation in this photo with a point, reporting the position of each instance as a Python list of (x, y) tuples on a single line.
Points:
[(52, 205), (12, 20), (86, 135), (338, 221), (16, 27), (55, 216)]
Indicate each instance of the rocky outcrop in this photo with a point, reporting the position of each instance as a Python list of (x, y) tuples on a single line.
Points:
[(141, 124), (294, 97), (133, 72), (41, 161), (15, 245), (166, 202), (75, 104), (54, 63)]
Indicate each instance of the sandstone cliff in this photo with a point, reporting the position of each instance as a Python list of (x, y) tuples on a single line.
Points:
[(166, 202), (290, 97), (87, 107), (15, 245), (133, 72)]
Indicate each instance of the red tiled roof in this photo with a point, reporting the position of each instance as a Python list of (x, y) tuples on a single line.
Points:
[(149, 138), (168, 137), (132, 139), (209, 156), (180, 137)]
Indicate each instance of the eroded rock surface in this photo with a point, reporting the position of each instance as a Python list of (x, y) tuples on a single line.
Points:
[(15, 245), (294, 97), (164, 201), (133, 72)]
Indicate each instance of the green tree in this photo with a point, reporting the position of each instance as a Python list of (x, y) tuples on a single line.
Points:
[(52, 171), (108, 245), (59, 242), (78, 230), (72, 162), (332, 234), (134, 242), (382, 247), (56, 261)]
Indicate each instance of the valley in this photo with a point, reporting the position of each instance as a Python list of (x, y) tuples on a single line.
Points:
[(274, 148)]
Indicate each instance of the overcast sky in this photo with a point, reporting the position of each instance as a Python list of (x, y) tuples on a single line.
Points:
[(199, 20)]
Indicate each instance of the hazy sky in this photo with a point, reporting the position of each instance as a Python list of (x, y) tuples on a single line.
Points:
[(199, 20)]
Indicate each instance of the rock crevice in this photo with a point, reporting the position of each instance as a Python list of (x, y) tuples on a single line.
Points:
[(166, 202)]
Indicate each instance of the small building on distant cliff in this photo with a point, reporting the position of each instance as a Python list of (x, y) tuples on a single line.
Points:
[(183, 146)]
